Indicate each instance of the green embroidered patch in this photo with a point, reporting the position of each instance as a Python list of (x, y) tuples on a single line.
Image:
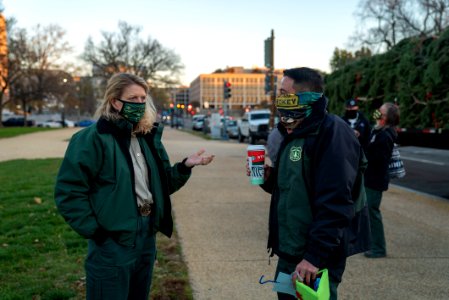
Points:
[(295, 153)]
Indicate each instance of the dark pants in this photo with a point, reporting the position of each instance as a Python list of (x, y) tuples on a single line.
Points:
[(117, 272), (288, 268), (377, 228)]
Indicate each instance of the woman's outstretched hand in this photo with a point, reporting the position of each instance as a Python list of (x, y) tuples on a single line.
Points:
[(198, 159)]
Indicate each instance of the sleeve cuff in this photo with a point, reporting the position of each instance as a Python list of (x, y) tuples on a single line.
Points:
[(314, 260), (183, 169)]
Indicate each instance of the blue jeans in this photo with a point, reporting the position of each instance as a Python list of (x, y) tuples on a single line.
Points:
[(118, 272)]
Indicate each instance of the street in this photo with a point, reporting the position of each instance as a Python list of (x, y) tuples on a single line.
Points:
[(427, 170), (434, 163)]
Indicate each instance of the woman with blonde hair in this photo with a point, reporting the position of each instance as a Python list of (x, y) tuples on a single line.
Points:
[(114, 188)]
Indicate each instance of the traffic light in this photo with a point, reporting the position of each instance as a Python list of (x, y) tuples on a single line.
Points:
[(227, 89), (268, 83)]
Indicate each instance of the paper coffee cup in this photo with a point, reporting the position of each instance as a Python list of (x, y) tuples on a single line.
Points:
[(256, 161)]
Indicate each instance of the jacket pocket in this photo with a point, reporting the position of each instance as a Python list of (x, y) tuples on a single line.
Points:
[(100, 201)]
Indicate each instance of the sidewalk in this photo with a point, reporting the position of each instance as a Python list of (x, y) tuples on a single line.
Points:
[(43, 144), (222, 223)]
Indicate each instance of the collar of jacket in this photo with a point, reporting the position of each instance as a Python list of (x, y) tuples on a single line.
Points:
[(310, 124), (123, 128), (391, 132)]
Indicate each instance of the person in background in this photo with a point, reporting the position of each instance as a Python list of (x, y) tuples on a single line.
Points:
[(357, 121), (378, 153), (114, 187), (313, 221), (274, 141)]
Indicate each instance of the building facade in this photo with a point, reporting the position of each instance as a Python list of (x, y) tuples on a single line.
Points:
[(181, 96), (247, 89)]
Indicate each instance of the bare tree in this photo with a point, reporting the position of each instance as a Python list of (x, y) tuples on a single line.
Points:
[(380, 16), (423, 17), (45, 50), (385, 22), (35, 59), (13, 53), (125, 51), (437, 14)]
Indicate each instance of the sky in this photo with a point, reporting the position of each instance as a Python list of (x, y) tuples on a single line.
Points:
[(206, 34)]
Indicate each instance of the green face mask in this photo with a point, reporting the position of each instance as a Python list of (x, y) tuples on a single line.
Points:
[(132, 111)]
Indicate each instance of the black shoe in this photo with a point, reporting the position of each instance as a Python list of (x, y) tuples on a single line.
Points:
[(370, 254)]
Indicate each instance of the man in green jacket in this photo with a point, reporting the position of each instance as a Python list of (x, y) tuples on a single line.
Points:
[(318, 212), (114, 188)]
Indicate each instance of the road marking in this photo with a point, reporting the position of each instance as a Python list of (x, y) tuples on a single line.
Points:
[(423, 160)]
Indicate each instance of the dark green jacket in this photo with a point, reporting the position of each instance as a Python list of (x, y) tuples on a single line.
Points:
[(293, 211), (318, 208), (95, 186)]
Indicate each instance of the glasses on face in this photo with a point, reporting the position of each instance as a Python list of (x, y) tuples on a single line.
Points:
[(287, 120), (292, 114)]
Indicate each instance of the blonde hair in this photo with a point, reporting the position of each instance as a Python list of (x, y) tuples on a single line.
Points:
[(114, 89)]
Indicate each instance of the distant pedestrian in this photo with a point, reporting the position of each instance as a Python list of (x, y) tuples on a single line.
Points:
[(378, 153), (317, 218), (114, 188), (357, 121), (274, 141)]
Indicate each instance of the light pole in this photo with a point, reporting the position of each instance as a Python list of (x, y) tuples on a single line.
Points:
[(62, 114), (77, 107), (62, 105), (269, 63)]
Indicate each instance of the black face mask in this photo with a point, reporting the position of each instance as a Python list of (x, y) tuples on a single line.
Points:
[(351, 114)]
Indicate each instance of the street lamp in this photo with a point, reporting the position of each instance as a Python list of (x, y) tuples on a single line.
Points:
[(62, 115), (77, 107), (61, 105)]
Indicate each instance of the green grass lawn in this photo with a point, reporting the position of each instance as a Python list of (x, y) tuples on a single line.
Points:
[(6, 132), (41, 257), (198, 134)]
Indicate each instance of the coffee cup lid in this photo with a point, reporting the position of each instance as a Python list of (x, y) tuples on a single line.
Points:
[(256, 147)]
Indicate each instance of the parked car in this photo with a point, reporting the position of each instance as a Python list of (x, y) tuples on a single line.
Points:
[(232, 129), (254, 125), (68, 123), (18, 122), (84, 123), (198, 122), (166, 119), (232, 126), (50, 124)]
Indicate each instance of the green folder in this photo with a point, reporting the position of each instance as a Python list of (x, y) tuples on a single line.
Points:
[(304, 292)]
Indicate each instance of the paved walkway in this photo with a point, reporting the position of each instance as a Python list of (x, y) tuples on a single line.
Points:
[(222, 222), (42, 144)]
